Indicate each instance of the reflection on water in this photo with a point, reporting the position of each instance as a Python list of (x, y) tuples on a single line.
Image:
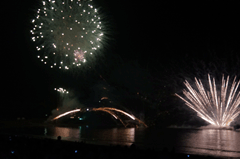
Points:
[(211, 142), (191, 141), (122, 136)]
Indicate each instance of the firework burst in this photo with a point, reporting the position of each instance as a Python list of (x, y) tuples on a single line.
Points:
[(217, 107), (61, 90), (66, 32)]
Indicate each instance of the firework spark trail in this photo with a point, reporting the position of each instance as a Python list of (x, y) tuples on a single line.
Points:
[(100, 109), (66, 113), (105, 109), (118, 110), (201, 112), (123, 112), (108, 111), (217, 110)]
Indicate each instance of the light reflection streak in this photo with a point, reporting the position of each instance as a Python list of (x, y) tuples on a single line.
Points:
[(116, 136)]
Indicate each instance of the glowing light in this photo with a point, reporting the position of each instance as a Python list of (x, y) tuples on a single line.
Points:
[(218, 108), (61, 90), (79, 55), (104, 98)]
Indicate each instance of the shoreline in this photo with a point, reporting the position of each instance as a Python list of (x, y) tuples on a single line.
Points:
[(27, 123)]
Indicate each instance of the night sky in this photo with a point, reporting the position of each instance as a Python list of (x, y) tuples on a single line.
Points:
[(167, 39)]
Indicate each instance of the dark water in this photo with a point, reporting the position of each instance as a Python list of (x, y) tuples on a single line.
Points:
[(215, 142)]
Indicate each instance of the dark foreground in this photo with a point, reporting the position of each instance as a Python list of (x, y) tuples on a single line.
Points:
[(20, 147)]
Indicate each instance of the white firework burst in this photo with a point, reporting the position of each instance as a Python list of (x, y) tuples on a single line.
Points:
[(61, 90), (66, 31), (217, 107)]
